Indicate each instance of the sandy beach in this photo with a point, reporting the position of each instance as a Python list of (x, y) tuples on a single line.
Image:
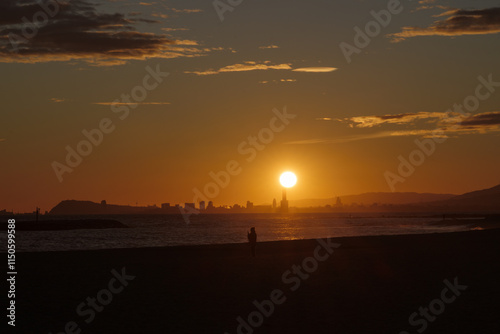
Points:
[(359, 285)]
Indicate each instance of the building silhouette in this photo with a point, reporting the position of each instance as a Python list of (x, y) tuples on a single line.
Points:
[(284, 201)]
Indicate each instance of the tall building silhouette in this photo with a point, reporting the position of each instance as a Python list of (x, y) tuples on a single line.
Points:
[(284, 201)]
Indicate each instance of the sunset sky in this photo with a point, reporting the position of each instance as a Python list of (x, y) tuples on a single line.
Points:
[(228, 80)]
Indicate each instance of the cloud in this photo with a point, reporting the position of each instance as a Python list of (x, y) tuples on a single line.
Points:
[(340, 140), (177, 10), (371, 121), (175, 29), (459, 22), (186, 42), (435, 133), (57, 100), (188, 11), (269, 47), (277, 81), (265, 65), (79, 32), (484, 123), (484, 119), (315, 69), (427, 6), (131, 103), (246, 66), (446, 121), (160, 15), (481, 123)]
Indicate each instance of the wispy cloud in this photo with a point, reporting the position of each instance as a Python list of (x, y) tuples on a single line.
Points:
[(160, 15), (375, 120), (315, 69), (340, 140), (277, 81), (127, 104), (458, 22), (80, 32), (185, 42), (57, 100), (428, 4), (175, 29), (245, 66), (188, 11), (265, 65), (484, 123), (269, 47)]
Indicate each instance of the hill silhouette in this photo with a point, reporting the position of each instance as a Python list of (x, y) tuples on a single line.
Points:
[(72, 207), (486, 199), (395, 198)]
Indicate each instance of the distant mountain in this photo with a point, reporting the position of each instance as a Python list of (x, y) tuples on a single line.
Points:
[(72, 207), (486, 199), (396, 198), (490, 193)]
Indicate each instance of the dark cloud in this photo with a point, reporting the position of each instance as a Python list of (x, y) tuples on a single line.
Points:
[(397, 116), (78, 31), (486, 119), (458, 22), (407, 118)]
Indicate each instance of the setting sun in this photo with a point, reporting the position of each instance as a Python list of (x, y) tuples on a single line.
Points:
[(288, 179)]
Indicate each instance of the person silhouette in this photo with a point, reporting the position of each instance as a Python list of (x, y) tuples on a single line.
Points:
[(252, 240)]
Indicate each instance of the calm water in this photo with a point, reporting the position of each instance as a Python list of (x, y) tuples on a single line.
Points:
[(172, 230)]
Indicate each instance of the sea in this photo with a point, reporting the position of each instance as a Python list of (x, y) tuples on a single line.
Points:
[(204, 229)]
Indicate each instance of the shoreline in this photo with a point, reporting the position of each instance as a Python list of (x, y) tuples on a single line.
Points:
[(473, 227)]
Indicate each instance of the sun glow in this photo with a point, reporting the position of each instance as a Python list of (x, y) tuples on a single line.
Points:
[(288, 179)]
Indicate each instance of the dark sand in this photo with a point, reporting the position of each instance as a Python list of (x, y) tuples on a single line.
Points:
[(368, 285)]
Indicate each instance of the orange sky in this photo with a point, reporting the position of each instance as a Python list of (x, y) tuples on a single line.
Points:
[(225, 95)]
